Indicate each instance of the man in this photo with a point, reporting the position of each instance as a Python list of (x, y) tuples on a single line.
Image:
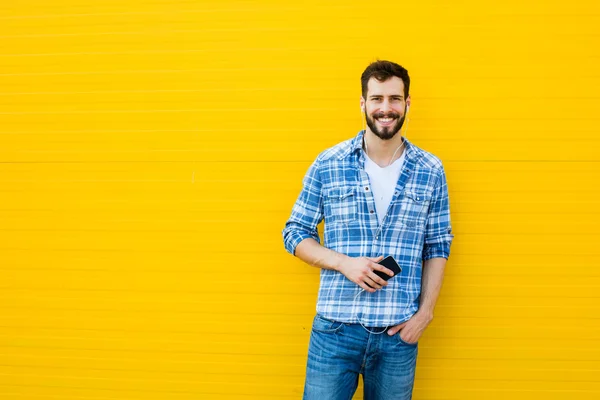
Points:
[(380, 196)]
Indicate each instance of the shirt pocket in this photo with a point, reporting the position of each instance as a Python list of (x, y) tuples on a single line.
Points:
[(413, 208), (341, 205)]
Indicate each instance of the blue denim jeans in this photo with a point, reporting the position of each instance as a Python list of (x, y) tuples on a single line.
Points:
[(339, 352)]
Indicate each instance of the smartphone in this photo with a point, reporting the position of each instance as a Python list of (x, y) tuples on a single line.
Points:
[(390, 264)]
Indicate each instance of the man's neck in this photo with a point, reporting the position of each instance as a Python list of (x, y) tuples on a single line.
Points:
[(383, 152)]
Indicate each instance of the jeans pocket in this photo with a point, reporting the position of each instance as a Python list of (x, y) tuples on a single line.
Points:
[(324, 325), (403, 342)]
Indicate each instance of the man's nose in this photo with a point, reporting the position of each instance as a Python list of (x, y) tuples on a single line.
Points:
[(385, 106)]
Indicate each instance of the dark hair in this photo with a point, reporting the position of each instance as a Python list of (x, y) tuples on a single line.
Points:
[(382, 71)]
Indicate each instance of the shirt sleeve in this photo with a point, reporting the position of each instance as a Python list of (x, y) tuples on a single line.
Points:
[(438, 231), (307, 212)]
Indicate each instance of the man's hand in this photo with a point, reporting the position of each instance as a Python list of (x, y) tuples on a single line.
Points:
[(360, 271), (411, 330)]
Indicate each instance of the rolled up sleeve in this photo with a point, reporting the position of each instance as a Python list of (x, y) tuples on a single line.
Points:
[(307, 212), (438, 231)]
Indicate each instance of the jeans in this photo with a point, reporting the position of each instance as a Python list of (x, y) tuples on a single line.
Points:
[(339, 352)]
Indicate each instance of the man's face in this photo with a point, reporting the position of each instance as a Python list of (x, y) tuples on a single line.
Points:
[(385, 107)]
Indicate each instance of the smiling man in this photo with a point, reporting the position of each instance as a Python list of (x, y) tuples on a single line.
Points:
[(380, 196)]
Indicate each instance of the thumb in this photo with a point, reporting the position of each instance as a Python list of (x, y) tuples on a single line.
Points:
[(395, 329), (376, 259)]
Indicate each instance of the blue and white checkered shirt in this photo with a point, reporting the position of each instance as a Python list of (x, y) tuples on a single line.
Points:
[(415, 228)]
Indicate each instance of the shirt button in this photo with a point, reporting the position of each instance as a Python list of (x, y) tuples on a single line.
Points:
[(371, 211), (367, 188)]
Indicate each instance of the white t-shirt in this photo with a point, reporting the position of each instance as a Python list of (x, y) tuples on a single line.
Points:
[(383, 183)]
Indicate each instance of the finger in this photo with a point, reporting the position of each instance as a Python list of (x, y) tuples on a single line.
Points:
[(395, 329), (381, 268), (366, 287), (376, 278), (371, 282)]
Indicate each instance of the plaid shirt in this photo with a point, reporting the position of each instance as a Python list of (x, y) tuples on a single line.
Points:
[(415, 228)]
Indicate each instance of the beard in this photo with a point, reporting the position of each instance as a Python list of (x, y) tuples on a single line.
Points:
[(388, 132)]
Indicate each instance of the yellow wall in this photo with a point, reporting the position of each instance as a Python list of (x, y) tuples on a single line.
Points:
[(150, 152)]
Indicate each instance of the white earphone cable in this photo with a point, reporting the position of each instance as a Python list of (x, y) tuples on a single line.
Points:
[(391, 160), (402, 136)]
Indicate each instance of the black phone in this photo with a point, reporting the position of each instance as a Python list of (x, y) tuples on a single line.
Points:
[(390, 264)]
